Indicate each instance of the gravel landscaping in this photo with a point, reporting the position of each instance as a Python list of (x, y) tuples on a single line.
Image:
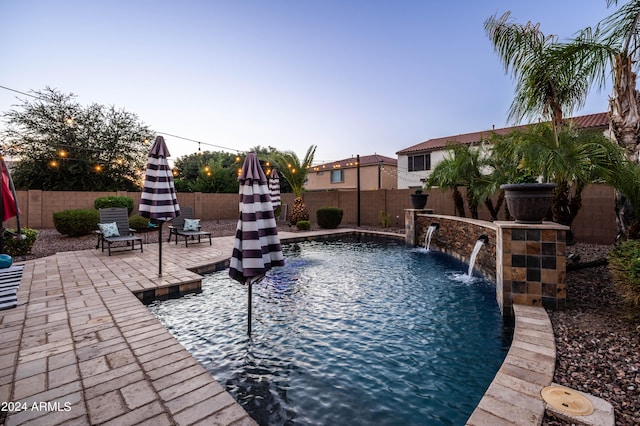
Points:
[(597, 336)]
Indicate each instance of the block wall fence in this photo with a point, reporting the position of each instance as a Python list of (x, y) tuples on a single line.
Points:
[(595, 222)]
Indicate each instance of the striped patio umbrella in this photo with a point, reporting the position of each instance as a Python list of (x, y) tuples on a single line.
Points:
[(257, 245), (274, 189), (158, 201)]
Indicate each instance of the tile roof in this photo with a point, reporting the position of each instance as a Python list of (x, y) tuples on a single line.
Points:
[(365, 160), (591, 121)]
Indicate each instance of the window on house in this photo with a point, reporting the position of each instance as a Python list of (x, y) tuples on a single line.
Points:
[(337, 176), (419, 162)]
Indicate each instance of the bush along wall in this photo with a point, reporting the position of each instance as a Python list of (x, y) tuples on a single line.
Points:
[(114, 201), (76, 222), (17, 247), (624, 262), (329, 217)]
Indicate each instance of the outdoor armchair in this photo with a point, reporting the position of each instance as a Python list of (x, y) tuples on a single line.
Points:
[(187, 226), (114, 228)]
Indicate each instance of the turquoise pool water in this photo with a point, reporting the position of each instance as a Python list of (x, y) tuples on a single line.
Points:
[(349, 332)]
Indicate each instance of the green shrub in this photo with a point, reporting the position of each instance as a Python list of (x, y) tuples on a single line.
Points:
[(624, 262), (138, 222), (113, 201), (386, 219), (77, 222), (329, 217), (16, 247), (303, 225)]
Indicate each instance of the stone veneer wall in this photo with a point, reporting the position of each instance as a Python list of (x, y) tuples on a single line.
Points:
[(528, 262), (457, 237)]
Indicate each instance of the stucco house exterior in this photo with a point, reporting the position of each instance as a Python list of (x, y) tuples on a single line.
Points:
[(416, 162), (376, 172)]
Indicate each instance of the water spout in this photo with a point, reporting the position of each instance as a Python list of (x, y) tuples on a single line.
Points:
[(479, 243), (430, 230)]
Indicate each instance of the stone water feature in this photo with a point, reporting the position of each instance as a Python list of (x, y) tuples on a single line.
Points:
[(527, 262)]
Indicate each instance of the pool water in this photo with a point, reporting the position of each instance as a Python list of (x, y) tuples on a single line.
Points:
[(348, 332)]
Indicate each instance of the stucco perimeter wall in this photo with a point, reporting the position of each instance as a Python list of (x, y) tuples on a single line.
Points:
[(595, 222), (457, 237)]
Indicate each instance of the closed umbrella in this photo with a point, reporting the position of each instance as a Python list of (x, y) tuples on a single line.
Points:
[(158, 201), (257, 246), (8, 202), (274, 189)]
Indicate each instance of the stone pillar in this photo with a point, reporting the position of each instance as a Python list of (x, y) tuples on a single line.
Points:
[(531, 265), (410, 222)]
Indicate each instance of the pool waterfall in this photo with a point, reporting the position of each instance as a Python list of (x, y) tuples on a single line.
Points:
[(474, 254), (427, 239)]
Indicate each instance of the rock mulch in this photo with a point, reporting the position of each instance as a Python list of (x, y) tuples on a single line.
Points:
[(598, 340), (597, 336)]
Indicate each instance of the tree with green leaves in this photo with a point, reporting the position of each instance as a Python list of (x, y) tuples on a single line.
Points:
[(294, 172), (207, 172), (60, 145)]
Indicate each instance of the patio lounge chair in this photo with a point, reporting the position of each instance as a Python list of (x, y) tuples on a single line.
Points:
[(114, 228), (180, 226)]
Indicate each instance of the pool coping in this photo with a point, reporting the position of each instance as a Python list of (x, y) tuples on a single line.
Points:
[(81, 343)]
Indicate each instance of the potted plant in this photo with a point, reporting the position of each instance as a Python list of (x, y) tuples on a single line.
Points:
[(528, 200), (418, 199)]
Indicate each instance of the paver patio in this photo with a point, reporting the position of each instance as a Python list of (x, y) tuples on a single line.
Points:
[(80, 348)]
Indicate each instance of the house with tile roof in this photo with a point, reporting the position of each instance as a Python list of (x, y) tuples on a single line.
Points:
[(376, 172), (416, 162)]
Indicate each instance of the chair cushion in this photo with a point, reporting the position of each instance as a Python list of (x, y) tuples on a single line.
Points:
[(191, 225), (109, 229)]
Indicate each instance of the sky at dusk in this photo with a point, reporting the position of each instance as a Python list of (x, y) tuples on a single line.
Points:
[(350, 76)]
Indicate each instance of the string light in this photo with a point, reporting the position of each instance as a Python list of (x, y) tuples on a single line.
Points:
[(62, 153)]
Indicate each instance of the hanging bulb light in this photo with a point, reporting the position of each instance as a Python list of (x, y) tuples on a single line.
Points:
[(199, 150), (62, 153), (68, 120)]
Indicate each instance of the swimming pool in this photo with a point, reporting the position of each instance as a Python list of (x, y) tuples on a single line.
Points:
[(349, 332)]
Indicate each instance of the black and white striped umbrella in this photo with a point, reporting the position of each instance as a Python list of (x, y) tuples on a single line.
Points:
[(158, 201), (257, 246), (274, 189)]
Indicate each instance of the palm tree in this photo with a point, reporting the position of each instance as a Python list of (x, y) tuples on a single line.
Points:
[(614, 44), (548, 86), (461, 167), (545, 86), (573, 160), (294, 172)]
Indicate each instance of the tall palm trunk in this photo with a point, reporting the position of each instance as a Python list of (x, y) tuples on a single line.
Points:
[(458, 202), (625, 124), (625, 108)]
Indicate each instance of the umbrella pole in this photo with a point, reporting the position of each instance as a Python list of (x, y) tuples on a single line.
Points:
[(249, 313), (160, 248)]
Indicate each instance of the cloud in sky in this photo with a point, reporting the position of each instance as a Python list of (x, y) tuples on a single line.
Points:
[(351, 76)]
